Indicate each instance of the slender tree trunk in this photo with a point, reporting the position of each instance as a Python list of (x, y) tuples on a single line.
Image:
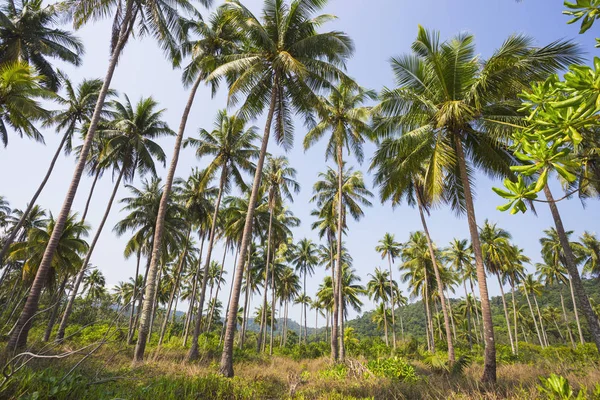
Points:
[(272, 309), (163, 328), (582, 300), (305, 317), (514, 305), (451, 314), (141, 298), (393, 302), (194, 290), (338, 300), (214, 304), (541, 320), (489, 370), (440, 284), (133, 298), (55, 309), (18, 338), (537, 329), (158, 234), (401, 325), (468, 315), (13, 233), (226, 367), (479, 325), (334, 321), (509, 329), (263, 317), (575, 311), (155, 307), (246, 303), (387, 343), (429, 331), (564, 310), (65, 318), (193, 353)]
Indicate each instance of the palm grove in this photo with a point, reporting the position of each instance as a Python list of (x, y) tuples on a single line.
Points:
[(448, 115)]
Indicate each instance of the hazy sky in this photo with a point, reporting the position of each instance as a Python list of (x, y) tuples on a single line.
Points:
[(380, 29)]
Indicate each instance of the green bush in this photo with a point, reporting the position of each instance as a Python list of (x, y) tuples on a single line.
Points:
[(395, 368)]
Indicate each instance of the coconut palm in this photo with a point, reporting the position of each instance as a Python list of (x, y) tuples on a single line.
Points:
[(20, 91), (464, 107), (231, 146), (514, 272), (304, 300), (279, 181), (389, 248), (79, 105), (380, 289), (344, 115), (94, 285), (130, 149), (530, 286), (553, 253), (494, 246), (288, 289), (305, 259), (278, 71), (29, 33), (590, 251)]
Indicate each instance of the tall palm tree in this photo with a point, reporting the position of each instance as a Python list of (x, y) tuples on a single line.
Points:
[(130, 148), (388, 247), (555, 274), (514, 271), (304, 300), (553, 253), (494, 246), (460, 256), (380, 289), (79, 106), (464, 107), (20, 92), (29, 33), (94, 285), (590, 251), (159, 18), (345, 116), (305, 259), (279, 181), (288, 289), (530, 286), (231, 146), (401, 174), (278, 71)]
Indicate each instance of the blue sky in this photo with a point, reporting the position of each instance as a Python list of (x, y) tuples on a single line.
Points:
[(380, 29)]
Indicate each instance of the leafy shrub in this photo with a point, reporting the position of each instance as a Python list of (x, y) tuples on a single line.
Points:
[(557, 387), (395, 368), (336, 372)]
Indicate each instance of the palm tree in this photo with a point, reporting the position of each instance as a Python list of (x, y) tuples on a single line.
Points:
[(555, 274), (279, 71), (93, 285), (344, 115), (304, 300), (460, 256), (380, 289), (288, 290), (160, 19), (278, 182), (590, 251), (388, 247), (28, 34), (402, 174), (553, 253), (305, 259), (514, 271), (231, 146), (79, 105), (494, 246), (464, 107), (130, 148), (20, 89)]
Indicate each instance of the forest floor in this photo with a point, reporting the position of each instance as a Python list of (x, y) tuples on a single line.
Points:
[(108, 374)]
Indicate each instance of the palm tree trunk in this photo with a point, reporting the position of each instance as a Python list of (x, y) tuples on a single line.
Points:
[(18, 338), (316, 324), (468, 314), (305, 316), (385, 325), (55, 309), (489, 370), (514, 305), (564, 310), (155, 304), (193, 353), (451, 314), (393, 302), (141, 298), (133, 298), (214, 304), (429, 331), (573, 301), (440, 285), (163, 328), (401, 324), (263, 317), (541, 320), (537, 329), (246, 303), (226, 367), (65, 318), (194, 290), (272, 309), (582, 300), (13, 233), (338, 300), (512, 344), (476, 313), (158, 234), (334, 321)]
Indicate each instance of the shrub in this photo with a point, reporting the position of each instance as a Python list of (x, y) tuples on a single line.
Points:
[(395, 368)]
